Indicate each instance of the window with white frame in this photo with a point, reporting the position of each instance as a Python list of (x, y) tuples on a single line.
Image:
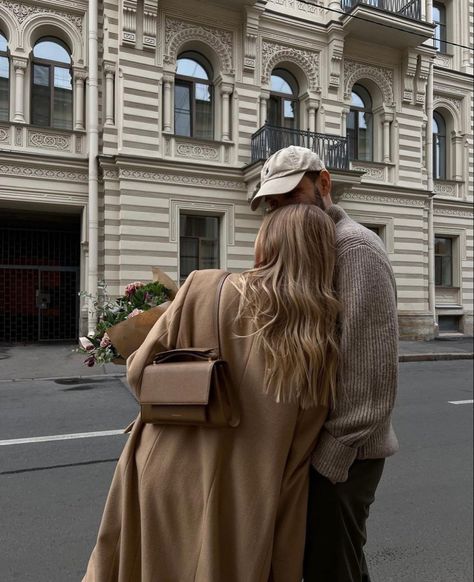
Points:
[(4, 79), (360, 131), (51, 85), (199, 243), (194, 97), (439, 19)]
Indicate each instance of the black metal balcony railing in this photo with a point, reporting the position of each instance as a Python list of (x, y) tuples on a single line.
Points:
[(332, 149), (408, 8)]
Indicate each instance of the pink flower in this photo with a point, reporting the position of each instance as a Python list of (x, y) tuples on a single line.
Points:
[(105, 342), (130, 289), (136, 311)]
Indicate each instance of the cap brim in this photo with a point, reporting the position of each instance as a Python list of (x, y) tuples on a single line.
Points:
[(275, 187)]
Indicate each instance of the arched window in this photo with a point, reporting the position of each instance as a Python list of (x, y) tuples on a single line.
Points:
[(439, 147), (283, 104), (51, 91), (360, 125), (4, 79), (193, 97)]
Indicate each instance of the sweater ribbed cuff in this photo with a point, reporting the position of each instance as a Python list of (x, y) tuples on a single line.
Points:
[(332, 459)]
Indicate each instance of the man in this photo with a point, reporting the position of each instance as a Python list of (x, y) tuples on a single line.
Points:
[(349, 458)]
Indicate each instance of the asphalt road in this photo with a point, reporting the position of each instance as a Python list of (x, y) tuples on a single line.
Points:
[(52, 493)]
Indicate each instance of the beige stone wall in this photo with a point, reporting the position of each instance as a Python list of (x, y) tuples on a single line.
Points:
[(148, 174)]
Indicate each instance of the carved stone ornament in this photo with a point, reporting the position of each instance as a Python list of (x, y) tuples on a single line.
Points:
[(409, 69), (150, 19), (178, 32), (251, 28), (19, 63), (194, 180), (445, 61), (451, 212), (336, 53), (449, 102), (50, 141), (444, 188), (383, 199), (370, 172), (48, 173), (381, 76), (200, 152), (129, 30), (309, 7), (274, 54), (4, 135), (22, 11)]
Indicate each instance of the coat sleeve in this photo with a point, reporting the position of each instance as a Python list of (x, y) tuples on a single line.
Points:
[(368, 370), (162, 336)]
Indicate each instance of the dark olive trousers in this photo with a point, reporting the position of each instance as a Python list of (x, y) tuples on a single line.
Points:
[(336, 532)]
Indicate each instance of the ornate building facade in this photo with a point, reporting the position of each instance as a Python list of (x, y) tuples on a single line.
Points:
[(132, 134)]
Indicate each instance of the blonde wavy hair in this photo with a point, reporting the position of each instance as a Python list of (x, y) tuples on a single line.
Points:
[(290, 301)]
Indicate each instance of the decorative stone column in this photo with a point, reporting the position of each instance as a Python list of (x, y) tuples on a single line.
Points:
[(344, 114), (311, 108), (321, 120), (226, 91), (109, 69), (20, 66), (386, 142), (457, 149), (264, 97), (168, 81), (387, 119), (80, 75)]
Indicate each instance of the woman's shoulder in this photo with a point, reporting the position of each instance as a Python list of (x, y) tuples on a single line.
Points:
[(209, 278)]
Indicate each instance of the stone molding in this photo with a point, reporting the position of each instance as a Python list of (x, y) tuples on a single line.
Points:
[(177, 32), (381, 76), (48, 173), (274, 53), (383, 199), (452, 212), (22, 11), (184, 180)]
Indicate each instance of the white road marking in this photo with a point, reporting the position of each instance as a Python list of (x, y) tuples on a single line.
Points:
[(61, 437), (461, 402)]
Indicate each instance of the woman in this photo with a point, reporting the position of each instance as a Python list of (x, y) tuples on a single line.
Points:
[(192, 504)]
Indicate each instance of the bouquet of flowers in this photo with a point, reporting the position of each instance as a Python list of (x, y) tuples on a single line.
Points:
[(123, 323)]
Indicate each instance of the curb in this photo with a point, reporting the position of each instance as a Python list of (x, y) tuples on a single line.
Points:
[(52, 378), (435, 357)]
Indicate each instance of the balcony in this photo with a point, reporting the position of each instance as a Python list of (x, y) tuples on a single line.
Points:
[(400, 22), (411, 9), (332, 149)]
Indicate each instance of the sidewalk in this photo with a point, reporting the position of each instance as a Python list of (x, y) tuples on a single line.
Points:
[(24, 362)]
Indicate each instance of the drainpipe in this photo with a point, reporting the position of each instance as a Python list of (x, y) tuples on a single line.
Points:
[(93, 138), (430, 186)]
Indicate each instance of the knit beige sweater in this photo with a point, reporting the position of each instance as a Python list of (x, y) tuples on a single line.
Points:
[(358, 426)]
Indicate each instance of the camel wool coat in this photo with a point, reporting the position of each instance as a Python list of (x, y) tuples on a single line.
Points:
[(191, 504)]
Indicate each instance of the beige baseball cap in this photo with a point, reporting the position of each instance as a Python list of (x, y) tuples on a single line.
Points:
[(283, 171)]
